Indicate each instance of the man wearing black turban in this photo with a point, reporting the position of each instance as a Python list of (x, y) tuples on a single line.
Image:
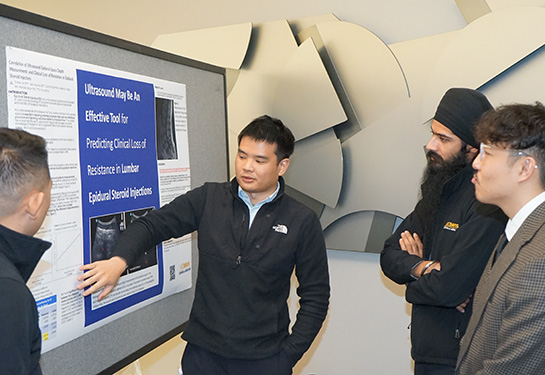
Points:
[(441, 248)]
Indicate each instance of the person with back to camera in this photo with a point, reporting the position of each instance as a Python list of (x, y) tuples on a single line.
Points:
[(25, 191), (251, 237), (439, 251)]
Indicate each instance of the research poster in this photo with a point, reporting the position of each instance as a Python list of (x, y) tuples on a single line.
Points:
[(118, 149)]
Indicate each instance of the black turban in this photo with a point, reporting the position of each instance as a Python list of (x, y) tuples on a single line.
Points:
[(459, 110)]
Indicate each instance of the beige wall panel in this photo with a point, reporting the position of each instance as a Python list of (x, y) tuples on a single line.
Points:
[(473, 9), (233, 147), (311, 203), (316, 168), (370, 74), (222, 46), (484, 49), (142, 20), (231, 76), (418, 56), (305, 98), (383, 164), (500, 4), (352, 125), (301, 24), (523, 83), (363, 231), (349, 232), (271, 46)]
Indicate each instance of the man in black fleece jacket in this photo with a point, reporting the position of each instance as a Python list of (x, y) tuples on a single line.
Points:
[(25, 193), (440, 250), (251, 238)]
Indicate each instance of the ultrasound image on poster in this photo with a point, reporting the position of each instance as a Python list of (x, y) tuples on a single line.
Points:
[(165, 129)]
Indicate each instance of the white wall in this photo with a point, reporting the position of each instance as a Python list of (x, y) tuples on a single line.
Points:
[(366, 331)]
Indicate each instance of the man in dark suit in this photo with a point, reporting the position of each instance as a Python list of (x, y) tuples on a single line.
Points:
[(506, 332)]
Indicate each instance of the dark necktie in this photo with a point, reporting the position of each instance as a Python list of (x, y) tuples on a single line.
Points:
[(504, 241)]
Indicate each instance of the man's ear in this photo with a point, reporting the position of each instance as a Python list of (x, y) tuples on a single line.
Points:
[(33, 202), (283, 166), (528, 168), (471, 151)]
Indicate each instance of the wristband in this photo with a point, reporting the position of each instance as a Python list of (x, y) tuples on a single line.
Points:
[(426, 267)]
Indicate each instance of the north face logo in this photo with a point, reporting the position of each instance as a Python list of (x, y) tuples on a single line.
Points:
[(280, 228)]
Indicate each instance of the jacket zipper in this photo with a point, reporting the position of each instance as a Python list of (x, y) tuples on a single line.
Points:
[(238, 261)]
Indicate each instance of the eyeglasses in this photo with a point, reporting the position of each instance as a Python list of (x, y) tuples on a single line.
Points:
[(484, 146)]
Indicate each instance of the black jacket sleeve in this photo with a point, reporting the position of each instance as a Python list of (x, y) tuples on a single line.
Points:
[(173, 220), (18, 324), (396, 263), (312, 273), (462, 268)]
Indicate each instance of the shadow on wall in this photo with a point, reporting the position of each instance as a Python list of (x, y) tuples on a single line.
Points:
[(358, 106)]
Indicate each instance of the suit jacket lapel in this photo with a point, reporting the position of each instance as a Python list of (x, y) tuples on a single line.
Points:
[(493, 273), (484, 289)]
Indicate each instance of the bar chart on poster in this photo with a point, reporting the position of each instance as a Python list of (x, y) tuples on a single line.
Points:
[(128, 129)]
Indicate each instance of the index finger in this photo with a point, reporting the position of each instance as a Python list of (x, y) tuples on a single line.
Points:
[(406, 238), (85, 275), (86, 267)]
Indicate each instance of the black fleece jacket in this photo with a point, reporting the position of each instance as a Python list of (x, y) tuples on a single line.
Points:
[(240, 309), (21, 340), (464, 234)]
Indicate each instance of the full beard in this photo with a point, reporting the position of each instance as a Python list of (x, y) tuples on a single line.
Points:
[(437, 173)]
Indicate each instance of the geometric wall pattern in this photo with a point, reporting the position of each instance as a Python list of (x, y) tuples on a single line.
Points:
[(360, 108)]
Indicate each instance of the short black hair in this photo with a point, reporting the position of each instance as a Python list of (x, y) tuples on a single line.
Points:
[(273, 131), (23, 166)]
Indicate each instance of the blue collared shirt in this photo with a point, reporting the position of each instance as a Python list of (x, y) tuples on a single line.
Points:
[(254, 208)]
